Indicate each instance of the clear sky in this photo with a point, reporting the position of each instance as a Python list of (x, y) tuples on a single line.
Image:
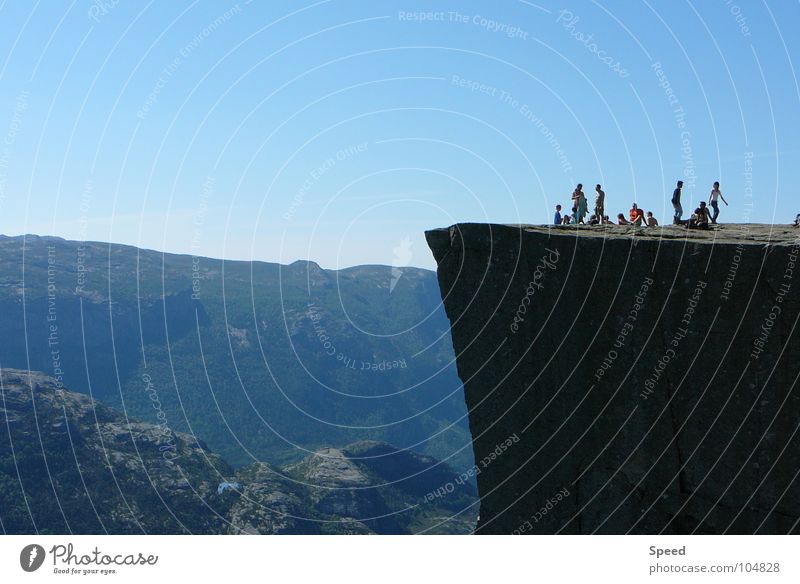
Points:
[(339, 130)]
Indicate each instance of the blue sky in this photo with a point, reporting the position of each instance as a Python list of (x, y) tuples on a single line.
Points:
[(333, 130)]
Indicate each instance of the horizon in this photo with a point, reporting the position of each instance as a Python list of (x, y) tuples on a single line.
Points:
[(213, 258), (585, 229), (339, 133)]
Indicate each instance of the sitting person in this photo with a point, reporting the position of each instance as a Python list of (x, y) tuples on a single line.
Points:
[(593, 220), (700, 218), (621, 220), (651, 221), (606, 220), (567, 219), (797, 220), (636, 215), (693, 218), (705, 215)]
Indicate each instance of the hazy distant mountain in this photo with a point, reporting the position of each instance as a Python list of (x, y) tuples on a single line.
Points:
[(71, 465), (263, 362)]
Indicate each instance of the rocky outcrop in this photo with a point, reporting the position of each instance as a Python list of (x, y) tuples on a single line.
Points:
[(373, 487), (269, 504), (628, 380), (69, 464)]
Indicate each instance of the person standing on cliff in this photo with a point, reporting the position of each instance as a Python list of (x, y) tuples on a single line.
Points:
[(676, 203), (579, 200), (713, 200), (599, 202), (557, 219)]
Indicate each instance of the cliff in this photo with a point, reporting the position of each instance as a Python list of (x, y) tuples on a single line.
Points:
[(628, 380)]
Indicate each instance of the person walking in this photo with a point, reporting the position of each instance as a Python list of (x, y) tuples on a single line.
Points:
[(676, 203), (599, 202), (713, 200)]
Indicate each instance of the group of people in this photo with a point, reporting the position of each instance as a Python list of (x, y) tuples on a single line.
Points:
[(701, 218), (636, 216)]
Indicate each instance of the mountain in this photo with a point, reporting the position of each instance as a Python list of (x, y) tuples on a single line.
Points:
[(263, 362), (366, 487), (69, 464)]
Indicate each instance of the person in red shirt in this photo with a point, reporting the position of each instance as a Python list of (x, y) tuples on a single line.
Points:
[(636, 215)]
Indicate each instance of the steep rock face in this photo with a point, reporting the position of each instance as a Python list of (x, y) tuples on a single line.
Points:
[(624, 380)]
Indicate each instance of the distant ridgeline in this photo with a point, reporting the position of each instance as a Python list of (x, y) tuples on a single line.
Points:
[(256, 359), (629, 380)]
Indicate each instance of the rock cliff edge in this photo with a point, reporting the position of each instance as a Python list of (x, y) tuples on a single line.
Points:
[(628, 380)]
